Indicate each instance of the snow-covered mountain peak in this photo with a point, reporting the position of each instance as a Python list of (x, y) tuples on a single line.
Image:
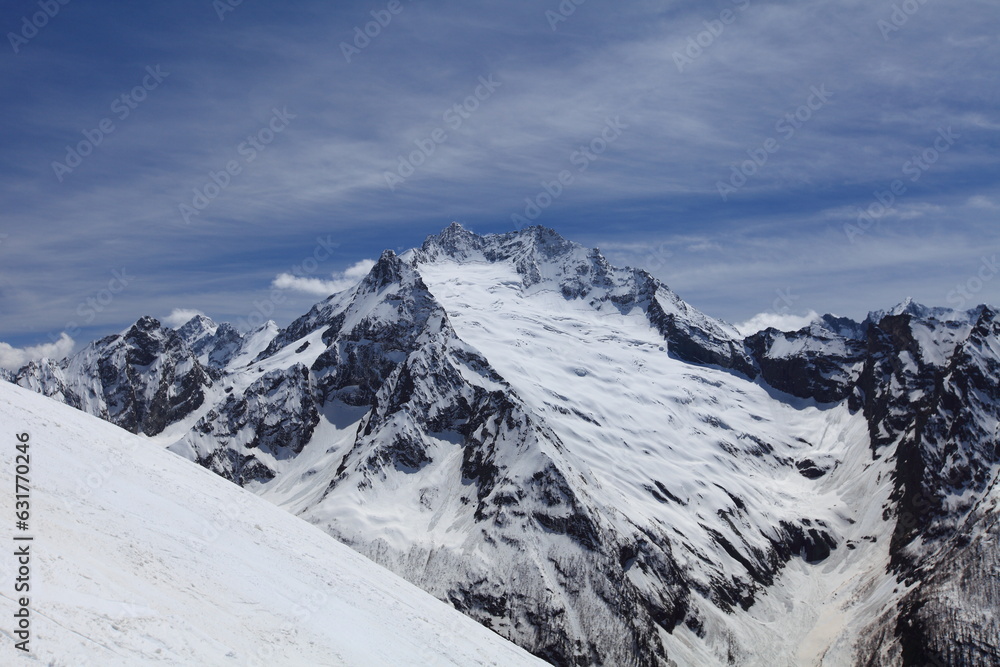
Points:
[(540, 261), (146, 334), (454, 241), (842, 326), (537, 244), (145, 323), (215, 345), (916, 310), (907, 304), (197, 328), (389, 270)]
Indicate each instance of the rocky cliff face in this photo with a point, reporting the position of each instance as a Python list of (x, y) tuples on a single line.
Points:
[(142, 379), (926, 381), (573, 456), (214, 345), (941, 404), (816, 362)]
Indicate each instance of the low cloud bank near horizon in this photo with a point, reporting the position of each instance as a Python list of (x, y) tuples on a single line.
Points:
[(12, 358), (779, 321)]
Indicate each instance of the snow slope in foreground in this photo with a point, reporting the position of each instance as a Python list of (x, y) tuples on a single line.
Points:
[(141, 557)]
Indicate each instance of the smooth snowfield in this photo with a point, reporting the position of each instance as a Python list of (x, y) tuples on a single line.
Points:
[(141, 557)]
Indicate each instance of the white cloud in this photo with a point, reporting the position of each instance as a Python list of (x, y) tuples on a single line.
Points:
[(703, 246), (12, 358), (180, 316), (786, 322), (979, 201), (901, 211), (318, 286), (359, 270)]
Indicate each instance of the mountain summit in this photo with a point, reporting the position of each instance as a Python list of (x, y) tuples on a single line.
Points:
[(573, 456)]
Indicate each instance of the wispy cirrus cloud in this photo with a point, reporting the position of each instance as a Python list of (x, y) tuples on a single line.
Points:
[(325, 173)]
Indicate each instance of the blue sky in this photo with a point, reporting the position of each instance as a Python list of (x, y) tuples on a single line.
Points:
[(727, 146)]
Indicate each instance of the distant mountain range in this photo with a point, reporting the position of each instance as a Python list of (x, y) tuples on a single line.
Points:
[(574, 457)]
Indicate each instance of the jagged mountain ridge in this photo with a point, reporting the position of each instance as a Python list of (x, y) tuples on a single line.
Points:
[(642, 502)]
